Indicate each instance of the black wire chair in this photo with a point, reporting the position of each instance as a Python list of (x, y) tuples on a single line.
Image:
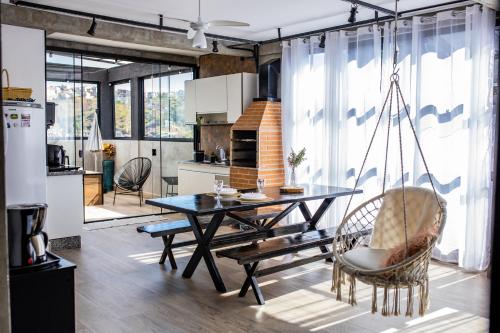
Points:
[(131, 177)]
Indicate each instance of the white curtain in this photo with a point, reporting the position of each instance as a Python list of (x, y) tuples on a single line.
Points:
[(446, 69)]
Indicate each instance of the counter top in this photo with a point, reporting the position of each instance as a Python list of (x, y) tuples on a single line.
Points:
[(204, 164), (66, 172)]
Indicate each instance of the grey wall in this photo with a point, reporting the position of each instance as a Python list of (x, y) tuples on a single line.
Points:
[(4, 277)]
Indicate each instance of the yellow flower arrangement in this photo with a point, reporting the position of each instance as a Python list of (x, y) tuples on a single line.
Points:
[(109, 150)]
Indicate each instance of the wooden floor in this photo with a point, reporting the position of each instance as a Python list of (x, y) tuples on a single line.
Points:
[(125, 205), (120, 287)]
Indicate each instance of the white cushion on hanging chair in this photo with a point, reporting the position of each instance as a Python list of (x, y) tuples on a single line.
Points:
[(365, 257), (422, 211)]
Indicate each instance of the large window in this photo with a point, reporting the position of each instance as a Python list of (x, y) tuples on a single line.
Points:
[(122, 110), (164, 107), (75, 109)]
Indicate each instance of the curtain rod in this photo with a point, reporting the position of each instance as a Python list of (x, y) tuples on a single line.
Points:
[(403, 14)]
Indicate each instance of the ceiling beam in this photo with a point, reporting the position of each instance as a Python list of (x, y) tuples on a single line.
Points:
[(122, 21)]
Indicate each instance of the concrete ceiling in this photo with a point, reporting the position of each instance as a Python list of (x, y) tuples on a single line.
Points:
[(264, 16)]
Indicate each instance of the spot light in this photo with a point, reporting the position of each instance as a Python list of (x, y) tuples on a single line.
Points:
[(322, 41), (215, 48), (354, 11), (92, 28)]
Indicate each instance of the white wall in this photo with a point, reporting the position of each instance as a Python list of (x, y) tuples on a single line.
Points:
[(23, 55)]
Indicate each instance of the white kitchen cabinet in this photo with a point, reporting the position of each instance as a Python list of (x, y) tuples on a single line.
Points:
[(211, 95), (190, 101), (234, 97), (196, 178), (228, 94), (65, 206)]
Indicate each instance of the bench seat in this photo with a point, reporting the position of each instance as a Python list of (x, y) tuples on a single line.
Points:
[(168, 230), (278, 246), (250, 255)]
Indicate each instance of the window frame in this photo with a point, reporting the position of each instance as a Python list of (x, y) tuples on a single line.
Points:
[(142, 108), (98, 111), (113, 84)]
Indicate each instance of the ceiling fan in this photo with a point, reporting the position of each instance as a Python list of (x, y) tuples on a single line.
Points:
[(196, 30)]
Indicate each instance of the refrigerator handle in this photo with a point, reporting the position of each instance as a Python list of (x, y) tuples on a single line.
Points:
[(5, 136)]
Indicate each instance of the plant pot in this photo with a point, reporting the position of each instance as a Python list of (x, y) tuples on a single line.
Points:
[(108, 172)]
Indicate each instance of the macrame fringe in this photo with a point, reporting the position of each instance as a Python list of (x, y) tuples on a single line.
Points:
[(336, 281), (424, 297), (409, 302), (352, 290), (396, 301), (385, 306), (374, 299)]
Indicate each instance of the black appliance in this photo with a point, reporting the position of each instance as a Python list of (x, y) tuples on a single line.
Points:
[(198, 154), (27, 242), (269, 76), (50, 114), (56, 156)]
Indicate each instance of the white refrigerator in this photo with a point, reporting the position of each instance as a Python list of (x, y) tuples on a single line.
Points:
[(25, 153)]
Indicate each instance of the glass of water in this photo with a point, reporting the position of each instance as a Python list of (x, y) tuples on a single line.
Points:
[(260, 185), (218, 185)]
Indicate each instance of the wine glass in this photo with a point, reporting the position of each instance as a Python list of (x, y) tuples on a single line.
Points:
[(260, 185), (218, 185)]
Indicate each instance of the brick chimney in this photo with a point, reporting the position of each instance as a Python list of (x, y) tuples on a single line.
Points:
[(256, 147)]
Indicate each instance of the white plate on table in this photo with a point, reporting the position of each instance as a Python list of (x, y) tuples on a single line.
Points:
[(253, 196)]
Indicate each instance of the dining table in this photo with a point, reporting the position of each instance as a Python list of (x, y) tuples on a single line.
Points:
[(197, 205)]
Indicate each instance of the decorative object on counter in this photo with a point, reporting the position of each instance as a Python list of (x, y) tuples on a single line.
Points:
[(294, 160), (132, 176), (94, 143), (15, 93), (260, 184)]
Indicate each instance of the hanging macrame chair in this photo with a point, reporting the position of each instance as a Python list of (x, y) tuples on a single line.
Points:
[(391, 236)]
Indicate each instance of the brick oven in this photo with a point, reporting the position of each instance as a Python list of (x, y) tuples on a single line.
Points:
[(256, 147)]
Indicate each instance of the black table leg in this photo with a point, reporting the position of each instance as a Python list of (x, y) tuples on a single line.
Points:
[(316, 217), (203, 249)]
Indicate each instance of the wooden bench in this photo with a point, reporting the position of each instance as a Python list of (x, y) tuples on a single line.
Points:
[(168, 230), (251, 255)]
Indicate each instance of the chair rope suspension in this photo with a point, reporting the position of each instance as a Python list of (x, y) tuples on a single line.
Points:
[(389, 213)]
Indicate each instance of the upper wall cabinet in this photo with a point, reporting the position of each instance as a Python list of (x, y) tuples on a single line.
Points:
[(228, 94)]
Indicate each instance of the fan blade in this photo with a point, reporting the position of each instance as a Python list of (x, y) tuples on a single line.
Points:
[(191, 33), (222, 23), (199, 40)]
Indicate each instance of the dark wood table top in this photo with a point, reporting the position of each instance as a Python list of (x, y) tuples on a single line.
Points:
[(204, 204)]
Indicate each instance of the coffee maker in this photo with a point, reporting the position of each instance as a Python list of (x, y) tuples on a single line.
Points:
[(27, 241)]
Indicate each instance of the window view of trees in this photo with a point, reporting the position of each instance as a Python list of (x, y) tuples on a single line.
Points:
[(71, 121), (123, 110), (164, 107)]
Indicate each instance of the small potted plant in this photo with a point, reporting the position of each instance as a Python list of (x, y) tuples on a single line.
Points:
[(294, 160)]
